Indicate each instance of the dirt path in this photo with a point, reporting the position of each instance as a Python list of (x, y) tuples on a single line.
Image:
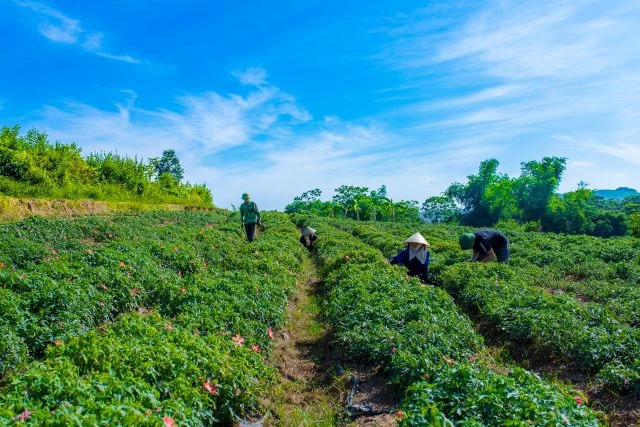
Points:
[(318, 387)]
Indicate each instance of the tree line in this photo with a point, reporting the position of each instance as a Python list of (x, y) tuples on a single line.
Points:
[(490, 198), (358, 203), (32, 166)]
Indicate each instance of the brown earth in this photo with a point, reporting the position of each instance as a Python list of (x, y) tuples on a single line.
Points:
[(12, 209), (319, 385)]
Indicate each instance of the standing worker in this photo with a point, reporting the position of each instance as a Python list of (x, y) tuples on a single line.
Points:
[(487, 245), (415, 257), (249, 216)]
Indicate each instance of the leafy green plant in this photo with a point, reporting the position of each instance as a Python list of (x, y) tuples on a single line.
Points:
[(425, 343), (126, 319), (31, 166)]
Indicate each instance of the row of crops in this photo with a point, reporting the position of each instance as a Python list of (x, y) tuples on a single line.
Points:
[(575, 298), (161, 318), (167, 318), (426, 344)]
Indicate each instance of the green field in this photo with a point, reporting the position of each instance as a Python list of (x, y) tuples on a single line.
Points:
[(168, 317)]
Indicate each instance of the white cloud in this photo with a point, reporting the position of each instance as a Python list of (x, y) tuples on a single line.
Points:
[(59, 28), (252, 76), (262, 141), (579, 164), (622, 150), (208, 122), (524, 72), (202, 127)]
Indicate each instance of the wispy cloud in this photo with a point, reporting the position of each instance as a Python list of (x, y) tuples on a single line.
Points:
[(209, 121), (202, 128), (629, 152), (262, 141), (580, 164), (252, 76), (60, 28), (522, 71)]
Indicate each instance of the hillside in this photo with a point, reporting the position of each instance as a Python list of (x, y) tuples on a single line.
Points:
[(31, 166), (617, 194)]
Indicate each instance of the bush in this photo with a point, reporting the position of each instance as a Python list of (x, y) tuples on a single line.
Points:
[(31, 166)]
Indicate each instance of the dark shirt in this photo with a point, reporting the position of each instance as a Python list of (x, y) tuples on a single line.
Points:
[(415, 267), (487, 240), (312, 237)]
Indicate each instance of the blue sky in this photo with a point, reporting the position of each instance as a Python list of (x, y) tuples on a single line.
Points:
[(276, 98)]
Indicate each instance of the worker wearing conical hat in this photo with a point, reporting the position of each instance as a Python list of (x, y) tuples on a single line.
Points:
[(415, 257), (308, 235)]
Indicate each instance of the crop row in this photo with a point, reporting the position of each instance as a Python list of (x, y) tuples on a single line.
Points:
[(141, 320), (541, 304), (428, 347)]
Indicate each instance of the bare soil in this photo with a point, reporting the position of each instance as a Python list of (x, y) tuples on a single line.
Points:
[(318, 381), (13, 208)]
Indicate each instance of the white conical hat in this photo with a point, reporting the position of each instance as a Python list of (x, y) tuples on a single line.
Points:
[(308, 231), (417, 238)]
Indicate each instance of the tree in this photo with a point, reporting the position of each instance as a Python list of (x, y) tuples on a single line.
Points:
[(570, 213), (380, 193), (309, 201), (388, 207), (311, 195), (407, 211), (634, 224), (346, 196), (608, 223), (440, 209), (536, 185), (471, 195), (500, 201), (168, 163)]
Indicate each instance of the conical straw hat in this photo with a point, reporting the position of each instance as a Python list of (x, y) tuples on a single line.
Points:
[(308, 231), (417, 238)]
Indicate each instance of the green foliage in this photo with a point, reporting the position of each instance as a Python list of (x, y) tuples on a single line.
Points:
[(536, 185), (634, 224), (31, 166), (123, 319), (488, 198), (356, 203), (438, 209), (571, 297), (426, 344), (168, 164), (484, 397), (476, 209), (33, 160)]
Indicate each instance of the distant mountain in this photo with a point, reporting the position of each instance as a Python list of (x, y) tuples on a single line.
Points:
[(618, 193)]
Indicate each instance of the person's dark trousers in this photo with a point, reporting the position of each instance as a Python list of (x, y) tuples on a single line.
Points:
[(502, 253), (250, 228)]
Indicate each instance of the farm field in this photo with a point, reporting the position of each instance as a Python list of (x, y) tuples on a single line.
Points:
[(151, 319), (167, 318), (429, 347), (569, 300), (252, 214)]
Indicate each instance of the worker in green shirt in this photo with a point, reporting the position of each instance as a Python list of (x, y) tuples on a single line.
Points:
[(249, 216)]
